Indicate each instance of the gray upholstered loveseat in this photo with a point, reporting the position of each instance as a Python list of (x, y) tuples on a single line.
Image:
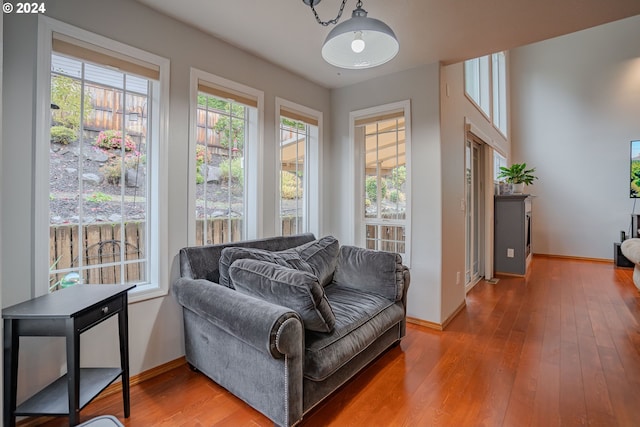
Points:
[(349, 306)]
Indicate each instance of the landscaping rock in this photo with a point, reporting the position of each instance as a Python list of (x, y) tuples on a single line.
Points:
[(92, 178), (133, 178), (213, 174), (90, 153)]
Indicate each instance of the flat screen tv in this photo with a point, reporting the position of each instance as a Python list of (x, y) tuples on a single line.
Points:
[(635, 170)]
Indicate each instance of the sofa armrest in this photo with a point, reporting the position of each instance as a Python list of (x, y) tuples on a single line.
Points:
[(378, 272), (258, 323)]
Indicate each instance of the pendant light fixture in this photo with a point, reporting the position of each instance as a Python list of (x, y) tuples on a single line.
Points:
[(357, 43)]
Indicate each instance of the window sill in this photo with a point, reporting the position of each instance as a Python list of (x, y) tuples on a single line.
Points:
[(146, 292)]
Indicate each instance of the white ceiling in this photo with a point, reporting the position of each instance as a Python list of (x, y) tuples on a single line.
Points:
[(285, 32)]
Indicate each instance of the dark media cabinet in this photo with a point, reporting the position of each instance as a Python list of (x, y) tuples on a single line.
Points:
[(512, 239)]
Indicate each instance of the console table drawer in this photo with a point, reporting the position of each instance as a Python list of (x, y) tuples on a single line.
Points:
[(98, 314)]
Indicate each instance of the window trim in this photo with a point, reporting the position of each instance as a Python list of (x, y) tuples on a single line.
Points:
[(314, 165), (490, 115), (356, 155), (253, 170), (486, 114), (159, 280), (502, 73)]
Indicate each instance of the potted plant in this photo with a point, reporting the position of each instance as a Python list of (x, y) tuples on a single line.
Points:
[(518, 175)]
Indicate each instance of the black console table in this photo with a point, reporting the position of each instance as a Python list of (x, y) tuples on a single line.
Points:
[(68, 313)]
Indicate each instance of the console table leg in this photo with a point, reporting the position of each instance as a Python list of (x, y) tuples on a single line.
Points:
[(10, 372), (73, 371), (123, 330)]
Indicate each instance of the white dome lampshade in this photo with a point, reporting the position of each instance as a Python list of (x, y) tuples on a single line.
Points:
[(360, 42)]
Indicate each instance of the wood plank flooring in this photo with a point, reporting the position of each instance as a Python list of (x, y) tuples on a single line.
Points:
[(558, 348)]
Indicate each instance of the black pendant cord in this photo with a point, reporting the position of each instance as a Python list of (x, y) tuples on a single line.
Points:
[(332, 21)]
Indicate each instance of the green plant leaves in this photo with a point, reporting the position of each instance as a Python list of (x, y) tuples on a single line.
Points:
[(518, 173)]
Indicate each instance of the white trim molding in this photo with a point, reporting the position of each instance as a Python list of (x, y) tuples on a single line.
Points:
[(158, 281)]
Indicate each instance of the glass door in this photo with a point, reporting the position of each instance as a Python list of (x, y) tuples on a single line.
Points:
[(474, 193)]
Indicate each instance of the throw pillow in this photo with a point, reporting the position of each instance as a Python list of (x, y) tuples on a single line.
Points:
[(318, 257), (374, 271), (287, 258), (321, 256), (298, 290)]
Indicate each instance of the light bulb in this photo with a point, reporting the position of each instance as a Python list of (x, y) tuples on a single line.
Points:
[(357, 45)]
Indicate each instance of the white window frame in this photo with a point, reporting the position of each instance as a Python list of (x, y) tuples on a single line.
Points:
[(357, 154), (312, 189), (499, 92), (158, 283), (489, 93), (498, 161), (479, 71), (253, 202)]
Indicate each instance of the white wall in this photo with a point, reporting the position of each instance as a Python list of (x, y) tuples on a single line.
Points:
[(576, 106), (155, 325), (1, 325), (420, 85), (456, 111)]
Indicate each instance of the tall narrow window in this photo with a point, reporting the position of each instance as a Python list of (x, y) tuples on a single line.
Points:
[(499, 84), (104, 160), (477, 82), (298, 138), (385, 180), (225, 125)]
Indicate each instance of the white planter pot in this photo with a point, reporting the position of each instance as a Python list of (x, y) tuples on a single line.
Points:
[(518, 188)]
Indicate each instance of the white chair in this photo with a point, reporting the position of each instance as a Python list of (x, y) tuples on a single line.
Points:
[(631, 250)]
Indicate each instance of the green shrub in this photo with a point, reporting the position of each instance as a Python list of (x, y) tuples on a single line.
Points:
[(62, 135), (396, 196), (372, 188), (290, 186), (112, 171), (98, 197), (67, 94), (201, 157), (236, 173), (399, 175)]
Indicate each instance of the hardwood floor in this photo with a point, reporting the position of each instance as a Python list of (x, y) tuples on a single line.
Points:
[(558, 348)]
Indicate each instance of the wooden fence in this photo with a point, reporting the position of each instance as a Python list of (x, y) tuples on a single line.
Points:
[(103, 244), (389, 238)]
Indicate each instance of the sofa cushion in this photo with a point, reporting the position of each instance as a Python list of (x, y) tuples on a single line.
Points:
[(371, 271), (318, 257), (361, 317), (295, 289)]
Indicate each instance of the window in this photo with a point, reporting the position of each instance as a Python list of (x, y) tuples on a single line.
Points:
[(298, 169), (476, 78), (224, 136), (498, 161), (383, 141), (104, 162), (482, 78), (499, 83)]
